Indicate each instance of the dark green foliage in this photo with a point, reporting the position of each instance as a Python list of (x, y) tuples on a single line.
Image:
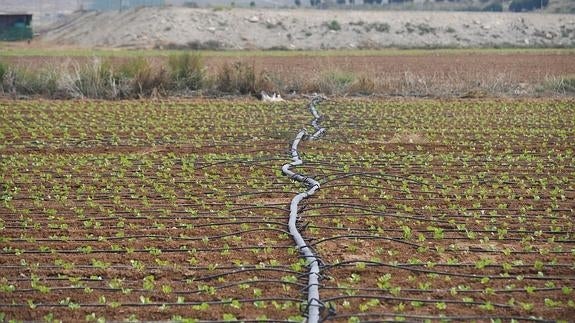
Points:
[(3, 70), (186, 70), (333, 25)]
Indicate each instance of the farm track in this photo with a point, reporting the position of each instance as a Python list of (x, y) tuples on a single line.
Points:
[(427, 209)]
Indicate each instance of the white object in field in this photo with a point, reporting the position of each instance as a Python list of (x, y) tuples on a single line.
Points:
[(273, 98)]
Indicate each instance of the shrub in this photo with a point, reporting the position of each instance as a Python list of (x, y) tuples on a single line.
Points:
[(421, 29), (369, 44), (238, 77), (331, 82), (562, 85), (3, 70), (44, 83), (333, 25), (379, 27), (139, 78), (186, 71), (23, 81), (194, 45), (95, 79), (364, 85)]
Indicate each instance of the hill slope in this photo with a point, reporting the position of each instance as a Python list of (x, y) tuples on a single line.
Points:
[(310, 29)]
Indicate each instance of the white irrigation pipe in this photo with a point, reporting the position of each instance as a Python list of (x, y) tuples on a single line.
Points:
[(314, 303)]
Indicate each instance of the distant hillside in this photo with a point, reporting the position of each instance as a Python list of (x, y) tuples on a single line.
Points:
[(47, 12), (177, 27)]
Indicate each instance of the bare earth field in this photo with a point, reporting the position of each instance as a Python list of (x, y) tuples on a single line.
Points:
[(527, 66), (447, 68)]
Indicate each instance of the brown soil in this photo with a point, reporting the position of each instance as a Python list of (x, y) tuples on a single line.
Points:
[(525, 67), (434, 196)]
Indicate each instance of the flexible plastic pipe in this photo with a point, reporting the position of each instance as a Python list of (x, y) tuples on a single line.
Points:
[(314, 303)]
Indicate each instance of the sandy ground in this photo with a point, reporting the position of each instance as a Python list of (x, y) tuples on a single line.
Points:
[(310, 29)]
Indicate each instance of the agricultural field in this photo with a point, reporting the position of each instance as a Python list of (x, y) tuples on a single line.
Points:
[(178, 210)]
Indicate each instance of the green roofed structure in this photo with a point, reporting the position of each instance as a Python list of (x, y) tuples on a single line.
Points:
[(15, 27)]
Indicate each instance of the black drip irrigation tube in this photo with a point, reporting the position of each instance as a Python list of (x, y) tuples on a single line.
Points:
[(314, 305)]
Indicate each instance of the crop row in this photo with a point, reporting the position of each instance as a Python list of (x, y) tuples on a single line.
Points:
[(169, 210)]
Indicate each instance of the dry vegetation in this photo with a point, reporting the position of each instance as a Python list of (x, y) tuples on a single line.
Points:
[(191, 74)]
